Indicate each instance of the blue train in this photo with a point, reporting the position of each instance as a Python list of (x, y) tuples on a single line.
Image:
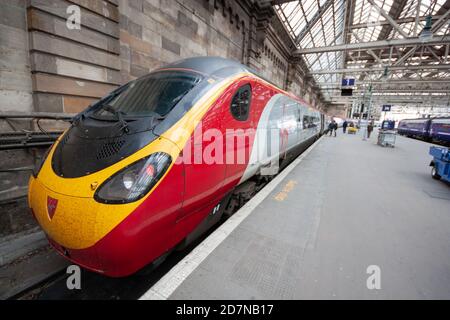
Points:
[(435, 130)]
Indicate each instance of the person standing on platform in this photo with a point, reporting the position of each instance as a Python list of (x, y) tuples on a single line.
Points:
[(332, 127), (369, 129), (344, 126)]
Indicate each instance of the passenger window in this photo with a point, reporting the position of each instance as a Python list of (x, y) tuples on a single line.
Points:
[(309, 122), (305, 122), (240, 104)]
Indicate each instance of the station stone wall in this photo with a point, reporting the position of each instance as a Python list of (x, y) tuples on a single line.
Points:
[(45, 66)]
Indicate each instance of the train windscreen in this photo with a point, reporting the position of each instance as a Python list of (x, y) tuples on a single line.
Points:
[(153, 95)]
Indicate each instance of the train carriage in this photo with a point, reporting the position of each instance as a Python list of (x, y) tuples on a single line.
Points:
[(440, 130), (429, 129), (158, 161), (414, 128)]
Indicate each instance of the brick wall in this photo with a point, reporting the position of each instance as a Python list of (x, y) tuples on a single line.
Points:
[(157, 32), (15, 78), (73, 68), (273, 64)]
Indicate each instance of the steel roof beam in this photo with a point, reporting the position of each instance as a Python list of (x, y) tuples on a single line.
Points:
[(392, 98), (385, 22), (364, 46), (392, 68), (403, 90), (444, 11), (317, 16), (384, 55), (440, 23), (280, 2), (374, 56), (410, 81), (389, 19), (394, 13)]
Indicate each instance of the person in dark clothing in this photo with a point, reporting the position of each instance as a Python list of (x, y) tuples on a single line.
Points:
[(369, 129), (332, 127), (344, 126)]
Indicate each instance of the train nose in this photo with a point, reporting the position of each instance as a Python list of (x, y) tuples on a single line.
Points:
[(73, 222)]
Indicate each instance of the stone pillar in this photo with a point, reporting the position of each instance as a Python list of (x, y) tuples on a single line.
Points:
[(253, 50)]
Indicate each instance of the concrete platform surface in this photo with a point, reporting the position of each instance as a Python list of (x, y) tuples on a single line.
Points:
[(348, 205)]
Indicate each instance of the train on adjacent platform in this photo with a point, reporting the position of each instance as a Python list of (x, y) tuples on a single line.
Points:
[(126, 183), (435, 130)]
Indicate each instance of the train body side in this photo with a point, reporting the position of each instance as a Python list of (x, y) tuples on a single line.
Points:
[(118, 240), (434, 129), (414, 128), (207, 184), (440, 130)]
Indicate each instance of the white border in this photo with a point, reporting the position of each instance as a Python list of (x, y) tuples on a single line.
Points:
[(164, 288)]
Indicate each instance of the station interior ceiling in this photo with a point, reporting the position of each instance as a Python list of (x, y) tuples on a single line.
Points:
[(397, 51)]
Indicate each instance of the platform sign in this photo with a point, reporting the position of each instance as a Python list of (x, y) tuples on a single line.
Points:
[(386, 107), (348, 82)]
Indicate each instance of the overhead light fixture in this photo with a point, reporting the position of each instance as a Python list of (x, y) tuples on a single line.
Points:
[(426, 34)]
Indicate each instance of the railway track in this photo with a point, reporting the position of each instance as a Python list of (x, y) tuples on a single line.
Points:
[(95, 286)]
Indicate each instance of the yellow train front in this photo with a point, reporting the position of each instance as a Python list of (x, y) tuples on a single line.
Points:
[(108, 194)]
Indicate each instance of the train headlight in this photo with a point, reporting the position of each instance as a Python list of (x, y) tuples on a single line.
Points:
[(134, 181), (128, 180)]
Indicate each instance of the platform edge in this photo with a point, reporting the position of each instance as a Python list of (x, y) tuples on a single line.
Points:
[(165, 287)]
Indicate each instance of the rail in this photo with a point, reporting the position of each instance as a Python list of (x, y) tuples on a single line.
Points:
[(22, 138)]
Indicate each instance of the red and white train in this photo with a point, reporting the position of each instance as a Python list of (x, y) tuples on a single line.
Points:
[(159, 160)]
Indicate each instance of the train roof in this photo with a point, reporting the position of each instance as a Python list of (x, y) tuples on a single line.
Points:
[(222, 68), (214, 65), (207, 65), (426, 119)]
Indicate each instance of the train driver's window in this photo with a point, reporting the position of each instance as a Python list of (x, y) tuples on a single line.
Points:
[(240, 104)]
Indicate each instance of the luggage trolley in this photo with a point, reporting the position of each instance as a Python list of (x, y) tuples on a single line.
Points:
[(387, 134)]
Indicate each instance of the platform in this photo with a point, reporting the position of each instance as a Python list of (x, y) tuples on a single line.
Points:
[(312, 233)]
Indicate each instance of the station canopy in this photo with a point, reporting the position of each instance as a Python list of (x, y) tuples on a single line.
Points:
[(397, 51)]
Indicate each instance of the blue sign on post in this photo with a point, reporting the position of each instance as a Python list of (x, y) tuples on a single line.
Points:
[(348, 82), (386, 107)]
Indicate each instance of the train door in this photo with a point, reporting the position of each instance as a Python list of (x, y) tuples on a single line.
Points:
[(290, 123), (303, 133), (204, 168), (322, 123), (299, 121)]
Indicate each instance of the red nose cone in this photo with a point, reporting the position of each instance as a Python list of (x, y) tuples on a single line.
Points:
[(51, 206)]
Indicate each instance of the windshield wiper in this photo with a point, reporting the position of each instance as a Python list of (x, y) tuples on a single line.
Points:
[(119, 114), (78, 118), (109, 108)]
